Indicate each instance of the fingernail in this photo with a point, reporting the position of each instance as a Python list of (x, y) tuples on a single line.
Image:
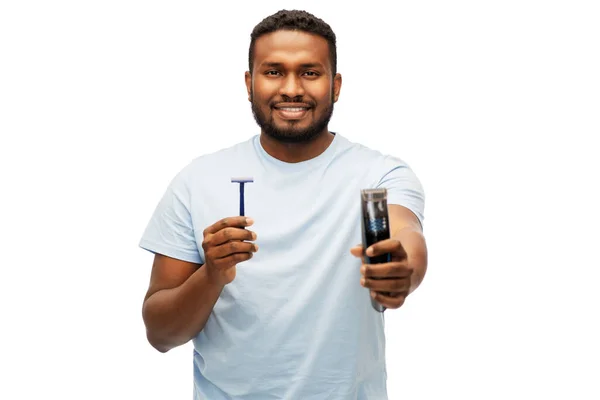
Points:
[(363, 270), (373, 294), (249, 221), (255, 247), (362, 282), (370, 251), (254, 236)]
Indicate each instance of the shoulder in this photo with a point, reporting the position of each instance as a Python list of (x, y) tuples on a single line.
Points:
[(359, 153), (206, 164), (225, 155)]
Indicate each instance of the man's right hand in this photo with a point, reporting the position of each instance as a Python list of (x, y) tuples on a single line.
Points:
[(225, 245)]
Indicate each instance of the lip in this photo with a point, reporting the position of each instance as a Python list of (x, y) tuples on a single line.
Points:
[(292, 111), (292, 105)]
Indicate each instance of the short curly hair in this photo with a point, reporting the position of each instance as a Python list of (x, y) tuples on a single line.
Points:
[(294, 20)]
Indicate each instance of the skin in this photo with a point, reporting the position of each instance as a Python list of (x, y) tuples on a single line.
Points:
[(293, 65), (288, 66)]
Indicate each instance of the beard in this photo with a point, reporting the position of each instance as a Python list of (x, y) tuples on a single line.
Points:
[(291, 134)]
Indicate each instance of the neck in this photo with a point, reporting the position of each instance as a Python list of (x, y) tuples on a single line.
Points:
[(296, 152)]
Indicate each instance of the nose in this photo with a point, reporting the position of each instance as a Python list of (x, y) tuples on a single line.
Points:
[(291, 86)]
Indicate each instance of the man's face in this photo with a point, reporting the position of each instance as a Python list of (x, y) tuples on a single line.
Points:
[(291, 88)]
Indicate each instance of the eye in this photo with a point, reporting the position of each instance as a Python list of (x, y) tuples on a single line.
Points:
[(272, 72), (311, 74)]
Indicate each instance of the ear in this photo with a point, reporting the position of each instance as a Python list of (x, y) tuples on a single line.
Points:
[(248, 78), (337, 86)]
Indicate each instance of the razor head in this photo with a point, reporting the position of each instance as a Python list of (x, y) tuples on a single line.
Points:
[(374, 194), (244, 179)]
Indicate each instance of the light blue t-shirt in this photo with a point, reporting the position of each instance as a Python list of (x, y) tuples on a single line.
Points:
[(295, 323)]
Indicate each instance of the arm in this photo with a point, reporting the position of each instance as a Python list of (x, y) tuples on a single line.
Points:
[(406, 228), (392, 282), (178, 303), (182, 294), (185, 284)]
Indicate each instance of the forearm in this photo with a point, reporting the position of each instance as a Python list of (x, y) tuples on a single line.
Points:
[(174, 316), (415, 246)]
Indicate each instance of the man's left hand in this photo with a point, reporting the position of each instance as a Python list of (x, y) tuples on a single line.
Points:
[(389, 283)]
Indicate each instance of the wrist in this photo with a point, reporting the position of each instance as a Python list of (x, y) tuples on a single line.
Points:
[(214, 280), (413, 243)]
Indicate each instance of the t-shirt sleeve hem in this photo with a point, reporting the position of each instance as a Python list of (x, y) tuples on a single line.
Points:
[(413, 209), (157, 248)]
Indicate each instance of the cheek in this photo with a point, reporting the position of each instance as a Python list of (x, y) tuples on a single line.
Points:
[(264, 90), (260, 101), (322, 93)]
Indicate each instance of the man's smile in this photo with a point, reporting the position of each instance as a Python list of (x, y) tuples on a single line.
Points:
[(292, 111)]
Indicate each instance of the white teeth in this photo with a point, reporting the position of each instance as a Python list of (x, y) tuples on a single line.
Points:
[(292, 109)]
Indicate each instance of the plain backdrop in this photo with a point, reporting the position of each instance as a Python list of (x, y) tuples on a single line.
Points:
[(494, 104)]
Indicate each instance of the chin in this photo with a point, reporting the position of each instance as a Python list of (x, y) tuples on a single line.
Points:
[(291, 136)]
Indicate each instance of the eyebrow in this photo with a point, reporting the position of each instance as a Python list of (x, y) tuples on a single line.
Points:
[(304, 65)]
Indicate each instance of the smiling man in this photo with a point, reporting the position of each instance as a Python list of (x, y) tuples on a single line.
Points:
[(292, 87), (278, 303)]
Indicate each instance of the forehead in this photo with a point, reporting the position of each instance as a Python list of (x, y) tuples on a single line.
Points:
[(291, 47)]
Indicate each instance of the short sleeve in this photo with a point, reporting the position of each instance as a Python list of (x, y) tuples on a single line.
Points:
[(403, 186), (170, 231)]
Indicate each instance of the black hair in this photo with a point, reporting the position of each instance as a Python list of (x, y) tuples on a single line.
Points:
[(294, 20)]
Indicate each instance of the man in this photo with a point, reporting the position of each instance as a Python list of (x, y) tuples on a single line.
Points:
[(277, 303)]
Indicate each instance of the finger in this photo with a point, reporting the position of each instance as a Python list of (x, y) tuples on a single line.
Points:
[(233, 247), (357, 251), (400, 285), (386, 246), (236, 222), (389, 300), (228, 234), (394, 269), (232, 260)]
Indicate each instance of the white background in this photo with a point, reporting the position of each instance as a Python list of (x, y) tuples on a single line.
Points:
[(495, 105)]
